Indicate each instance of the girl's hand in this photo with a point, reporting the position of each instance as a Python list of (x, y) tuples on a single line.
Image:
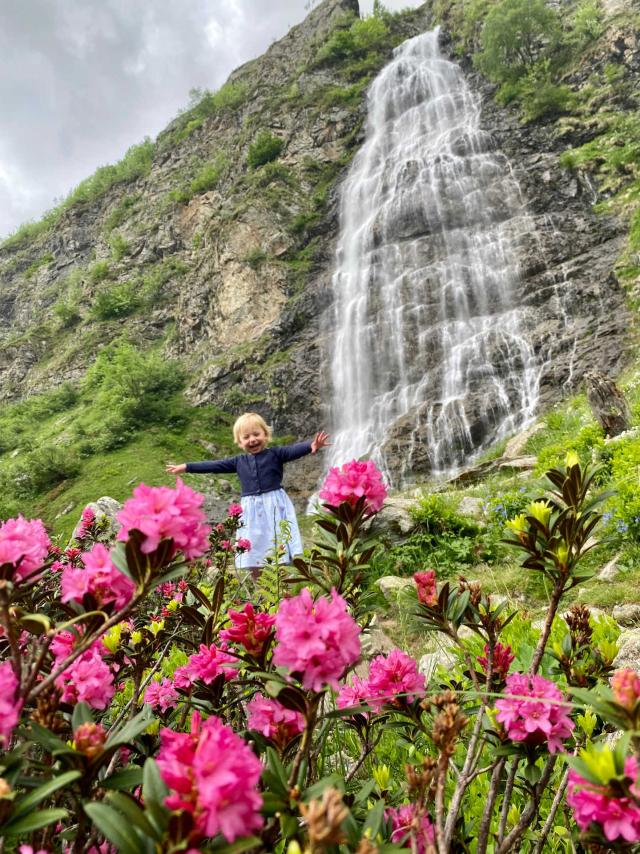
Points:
[(176, 469), (321, 441)]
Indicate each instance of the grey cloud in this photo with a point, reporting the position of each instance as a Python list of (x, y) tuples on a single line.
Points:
[(82, 80)]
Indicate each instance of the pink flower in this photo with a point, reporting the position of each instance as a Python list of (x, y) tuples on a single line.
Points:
[(226, 545), (625, 684), (426, 584), (533, 713), (351, 482), (89, 739), (28, 849), (182, 679), (161, 695), (249, 629), (274, 721), (214, 775), (235, 510), (392, 676), (243, 545), (100, 578), (618, 816), (162, 513), (317, 640), (9, 707), (354, 694), (502, 660), (87, 679), (24, 544), (210, 662), (403, 827)]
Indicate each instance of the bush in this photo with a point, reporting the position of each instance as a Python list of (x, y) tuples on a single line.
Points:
[(119, 300), (119, 247), (206, 179), (43, 468), (68, 313), (265, 148), (99, 272), (364, 36), (121, 212)]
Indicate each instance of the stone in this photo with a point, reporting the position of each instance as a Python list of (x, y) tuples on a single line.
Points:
[(627, 615), (471, 507), (392, 585), (629, 652), (515, 446), (374, 641), (108, 508), (518, 463), (395, 517), (610, 570)]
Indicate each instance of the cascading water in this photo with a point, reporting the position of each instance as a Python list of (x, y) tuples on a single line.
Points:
[(430, 361)]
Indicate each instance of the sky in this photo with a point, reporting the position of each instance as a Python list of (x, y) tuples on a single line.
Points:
[(82, 80)]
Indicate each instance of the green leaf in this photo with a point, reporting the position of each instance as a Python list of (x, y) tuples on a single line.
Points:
[(112, 825), (43, 792), (132, 729), (35, 624), (244, 844), (46, 739), (336, 780), (126, 805), (374, 819), (81, 715), (153, 787), (126, 778), (37, 820)]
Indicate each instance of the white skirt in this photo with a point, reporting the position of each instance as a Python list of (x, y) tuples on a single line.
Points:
[(261, 518)]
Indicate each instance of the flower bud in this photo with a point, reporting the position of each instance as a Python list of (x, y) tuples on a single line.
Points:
[(625, 684), (540, 510), (5, 788), (571, 459), (89, 739)]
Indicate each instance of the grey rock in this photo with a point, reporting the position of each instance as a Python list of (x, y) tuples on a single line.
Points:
[(610, 570), (392, 585), (515, 446), (627, 615), (629, 654), (518, 463), (395, 517), (472, 507)]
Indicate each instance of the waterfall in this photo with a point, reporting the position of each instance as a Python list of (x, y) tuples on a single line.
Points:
[(430, 361)]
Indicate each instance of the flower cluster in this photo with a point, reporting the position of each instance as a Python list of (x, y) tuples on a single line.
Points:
[(213, 774), (87, 523), (24, 544), (391, 677), (533, 712), (88, 678), (273, 720), (317, 639), (503, 658), (100, 578), (206, 665), (353, 481), (625, 685), (617, 815), (9, 708), (161, 695), (249, 629), (412, 826), (90, 738), (161, 513), (426, 585)]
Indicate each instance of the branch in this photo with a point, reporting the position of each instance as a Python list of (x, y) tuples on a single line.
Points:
[(509, 843)]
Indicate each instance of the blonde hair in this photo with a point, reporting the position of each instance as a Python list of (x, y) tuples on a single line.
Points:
[(250, 419)]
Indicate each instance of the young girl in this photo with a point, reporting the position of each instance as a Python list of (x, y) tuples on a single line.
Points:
[(264, 503)]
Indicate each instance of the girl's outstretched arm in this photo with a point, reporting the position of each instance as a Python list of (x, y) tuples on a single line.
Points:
[(321, 440), (174, 468)]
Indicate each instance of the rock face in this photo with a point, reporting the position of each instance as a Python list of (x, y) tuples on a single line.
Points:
[(242, 270)]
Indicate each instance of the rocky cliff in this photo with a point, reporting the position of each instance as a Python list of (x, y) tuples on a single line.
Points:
[(224, 262)]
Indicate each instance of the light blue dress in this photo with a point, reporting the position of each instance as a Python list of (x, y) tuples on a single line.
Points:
[(261, 518)]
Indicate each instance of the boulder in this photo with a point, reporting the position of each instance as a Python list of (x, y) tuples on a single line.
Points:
[(395, 517), (629, 654), (471, 507), (516, 445), (627, 615), (610, 570), (392, 585)]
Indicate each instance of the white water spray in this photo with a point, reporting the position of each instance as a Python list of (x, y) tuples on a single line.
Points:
[(430, 361)]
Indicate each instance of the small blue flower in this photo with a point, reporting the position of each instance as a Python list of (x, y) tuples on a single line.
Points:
[(622, 527), (607, 516)]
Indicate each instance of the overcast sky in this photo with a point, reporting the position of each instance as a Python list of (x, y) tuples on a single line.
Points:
[(82, 80)]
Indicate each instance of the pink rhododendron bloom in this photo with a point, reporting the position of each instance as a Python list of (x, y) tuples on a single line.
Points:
[(352, 481), (243, 545), (162, 513), (403, 827), (235, 510), (87, 679), (534, 713), (100, 578), (249, 629), (355, 694), (9, 708), (161, 695), (426, 584), (214, 775), (87, 519), (625, 684), (273, 720), (210, 662), (618, 817), (392, 676), (28, 849), (316, 639), (182, 679), (226, 545), (502, 660), (24, 543)]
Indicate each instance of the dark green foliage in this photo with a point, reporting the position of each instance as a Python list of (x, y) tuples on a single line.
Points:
[(364, 36), (265, 148), (119, 247), (41, 469), (99, 272), (206, 179), (119, 300), (515, 35), (67, 313)]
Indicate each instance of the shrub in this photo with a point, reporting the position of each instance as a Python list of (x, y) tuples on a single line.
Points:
[(120, 300), (364, 36), (68, 313), (206, 179), (121, 212), (119, 247), (265, 148), (99, 272), (42, 469)]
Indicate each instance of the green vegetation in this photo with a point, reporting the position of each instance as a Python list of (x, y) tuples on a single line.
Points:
[(119, 247), (122, 211), (33, 268), (265, 148), (203, 104), (362, 39), (135, 164), (207, 178)]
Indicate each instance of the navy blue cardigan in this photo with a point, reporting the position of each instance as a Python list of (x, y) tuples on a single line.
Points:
[(257, 472)]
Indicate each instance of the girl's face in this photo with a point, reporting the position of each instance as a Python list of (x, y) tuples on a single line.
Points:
[(252, 439)]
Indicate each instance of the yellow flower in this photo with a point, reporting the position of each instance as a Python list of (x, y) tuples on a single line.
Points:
[(382, 776), (112, 638), (540, 510), (518, 524), (172, 605), (136, 637), (572, 459), (156, 626)]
